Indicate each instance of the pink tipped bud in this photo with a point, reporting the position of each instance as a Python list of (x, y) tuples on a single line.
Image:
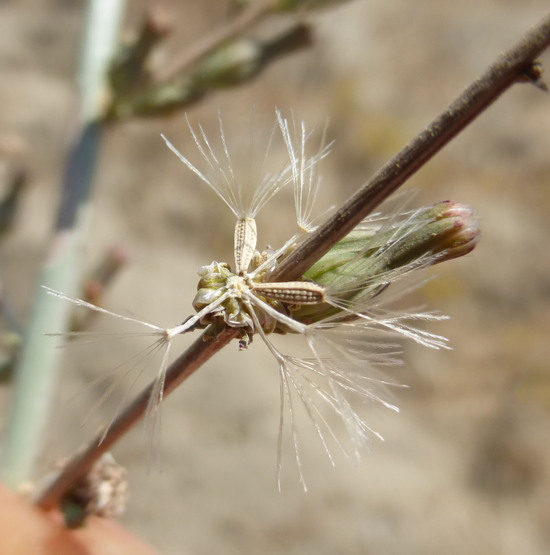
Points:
[(458, 230)]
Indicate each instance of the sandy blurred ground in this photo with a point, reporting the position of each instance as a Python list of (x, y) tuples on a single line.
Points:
[(464, 468)]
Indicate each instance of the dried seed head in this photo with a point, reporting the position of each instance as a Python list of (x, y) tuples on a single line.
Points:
[(341, 305), (102, 492)]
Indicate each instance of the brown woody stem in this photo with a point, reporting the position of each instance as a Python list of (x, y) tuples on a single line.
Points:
[(192, 359), (510, 67)]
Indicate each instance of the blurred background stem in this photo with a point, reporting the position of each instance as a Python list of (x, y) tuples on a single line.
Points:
[(247, 18), (37, 370)]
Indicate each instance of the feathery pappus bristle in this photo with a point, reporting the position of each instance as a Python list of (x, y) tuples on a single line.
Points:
[(342, 307)]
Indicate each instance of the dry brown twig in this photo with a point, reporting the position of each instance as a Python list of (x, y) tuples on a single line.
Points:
[(514, 65)]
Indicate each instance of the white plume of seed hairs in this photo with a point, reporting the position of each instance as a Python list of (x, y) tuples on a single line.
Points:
[(244, 197), (134, 367), (346, 351)]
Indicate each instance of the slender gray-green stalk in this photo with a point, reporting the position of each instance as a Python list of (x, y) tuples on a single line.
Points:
[(36, 373), (511, 67)]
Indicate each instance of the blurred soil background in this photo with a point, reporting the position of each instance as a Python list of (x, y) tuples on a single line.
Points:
[(465, 466)]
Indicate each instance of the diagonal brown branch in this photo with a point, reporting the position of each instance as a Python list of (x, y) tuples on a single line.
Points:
[(510, 67), (192, 359)]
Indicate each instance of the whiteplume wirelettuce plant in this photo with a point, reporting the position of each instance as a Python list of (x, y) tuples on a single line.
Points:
[(341, 306)]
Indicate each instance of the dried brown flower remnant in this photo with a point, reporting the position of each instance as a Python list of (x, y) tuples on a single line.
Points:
[(102, 492)]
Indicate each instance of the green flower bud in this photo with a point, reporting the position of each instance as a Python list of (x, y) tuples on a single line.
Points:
[(162, 99), (231, 64), (367, 260)]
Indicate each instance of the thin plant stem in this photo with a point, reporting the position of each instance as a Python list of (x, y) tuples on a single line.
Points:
[(511, 66), (37, 371), (508, 69), (192, 359), (248, 17)]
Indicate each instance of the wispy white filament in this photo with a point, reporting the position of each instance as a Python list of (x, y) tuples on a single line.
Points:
[(347, 347)]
